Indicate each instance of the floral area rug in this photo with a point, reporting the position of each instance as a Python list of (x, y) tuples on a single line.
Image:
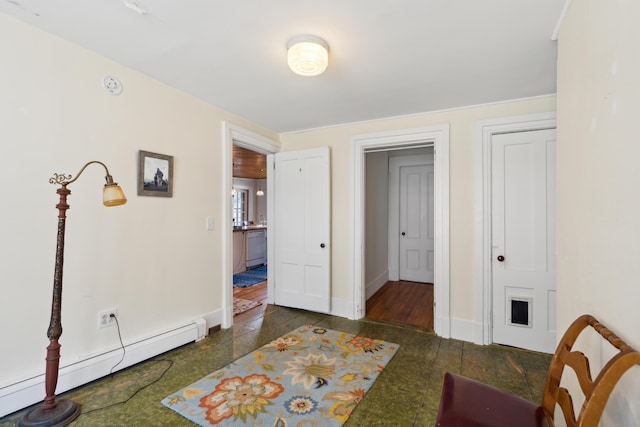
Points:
[(241, 305), (310, 376)]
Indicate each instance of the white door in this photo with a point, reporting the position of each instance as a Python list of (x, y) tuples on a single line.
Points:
[(416, 223), (523, 239), (302, 229)]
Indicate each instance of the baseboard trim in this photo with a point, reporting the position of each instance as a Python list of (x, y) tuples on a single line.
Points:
[(462, 329), (377, 283), (481, 334), (25, 392), (340, 307)]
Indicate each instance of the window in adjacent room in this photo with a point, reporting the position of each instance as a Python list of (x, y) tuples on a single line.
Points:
[(240, 201)]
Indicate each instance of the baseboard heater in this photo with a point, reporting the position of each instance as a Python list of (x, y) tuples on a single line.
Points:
[(22, 393)]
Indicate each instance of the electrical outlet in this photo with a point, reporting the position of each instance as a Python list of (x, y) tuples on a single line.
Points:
[(105, 319)]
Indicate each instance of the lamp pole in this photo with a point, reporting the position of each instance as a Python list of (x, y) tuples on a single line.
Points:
[(52, 411)]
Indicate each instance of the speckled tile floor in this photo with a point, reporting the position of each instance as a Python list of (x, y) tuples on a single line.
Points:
[(406, 393)]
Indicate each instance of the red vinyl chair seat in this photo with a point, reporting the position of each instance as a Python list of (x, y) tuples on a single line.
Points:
[(469, 403)]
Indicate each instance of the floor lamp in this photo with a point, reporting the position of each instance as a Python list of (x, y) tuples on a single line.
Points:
[(52, 412)]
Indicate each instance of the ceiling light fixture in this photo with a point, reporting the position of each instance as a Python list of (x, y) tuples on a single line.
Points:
[(307, 55), (260, 192)]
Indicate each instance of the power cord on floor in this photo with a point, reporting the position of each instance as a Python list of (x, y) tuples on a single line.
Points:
[(111, 374), (122, 402), (124, 350)]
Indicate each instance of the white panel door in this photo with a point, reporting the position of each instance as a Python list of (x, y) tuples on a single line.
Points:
[(416, 223), (302, 229), (523, 239)]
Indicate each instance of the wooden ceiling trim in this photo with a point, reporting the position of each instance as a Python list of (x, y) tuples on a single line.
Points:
[(248, 164)]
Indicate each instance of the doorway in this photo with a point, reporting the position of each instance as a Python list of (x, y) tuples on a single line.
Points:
[(438, 138), (235, 135), (399, 225), (249, 215)]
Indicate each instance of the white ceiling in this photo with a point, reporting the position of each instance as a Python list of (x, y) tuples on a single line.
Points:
[(387, 57)]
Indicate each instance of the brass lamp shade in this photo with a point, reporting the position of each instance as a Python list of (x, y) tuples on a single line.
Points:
[(112, 195)]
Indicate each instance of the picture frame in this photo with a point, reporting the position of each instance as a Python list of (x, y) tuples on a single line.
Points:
[(155, 174)]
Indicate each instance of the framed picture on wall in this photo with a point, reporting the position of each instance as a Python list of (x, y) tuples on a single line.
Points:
[(155, 174)]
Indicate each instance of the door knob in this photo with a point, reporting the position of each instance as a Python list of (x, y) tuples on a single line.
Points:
[(403, 233), (322, 245), (500, 258)]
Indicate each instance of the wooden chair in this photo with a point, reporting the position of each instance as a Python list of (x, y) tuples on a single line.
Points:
[(469, 403)]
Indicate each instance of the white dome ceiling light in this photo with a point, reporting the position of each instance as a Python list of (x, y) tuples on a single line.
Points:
[(307, 55)]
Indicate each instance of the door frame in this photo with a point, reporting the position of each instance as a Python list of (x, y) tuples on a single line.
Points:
[(235, 134), (485, 129), (438, 137)]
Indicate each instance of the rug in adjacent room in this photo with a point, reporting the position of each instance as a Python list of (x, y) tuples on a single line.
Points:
[(241, 305), (310, 376), (250, 277)]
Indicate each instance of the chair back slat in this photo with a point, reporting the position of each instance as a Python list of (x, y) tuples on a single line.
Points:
[(596, 392), (566, 404), (580, 364)]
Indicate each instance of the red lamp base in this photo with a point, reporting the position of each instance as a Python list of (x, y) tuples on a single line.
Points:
[(62, 414)]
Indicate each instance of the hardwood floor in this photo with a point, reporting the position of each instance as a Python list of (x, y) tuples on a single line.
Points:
[(252, 293), (410, 303)]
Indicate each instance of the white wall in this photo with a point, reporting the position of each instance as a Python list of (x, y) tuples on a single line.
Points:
[(153, 258), (376, 222), (462, 196), (598, 227)]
